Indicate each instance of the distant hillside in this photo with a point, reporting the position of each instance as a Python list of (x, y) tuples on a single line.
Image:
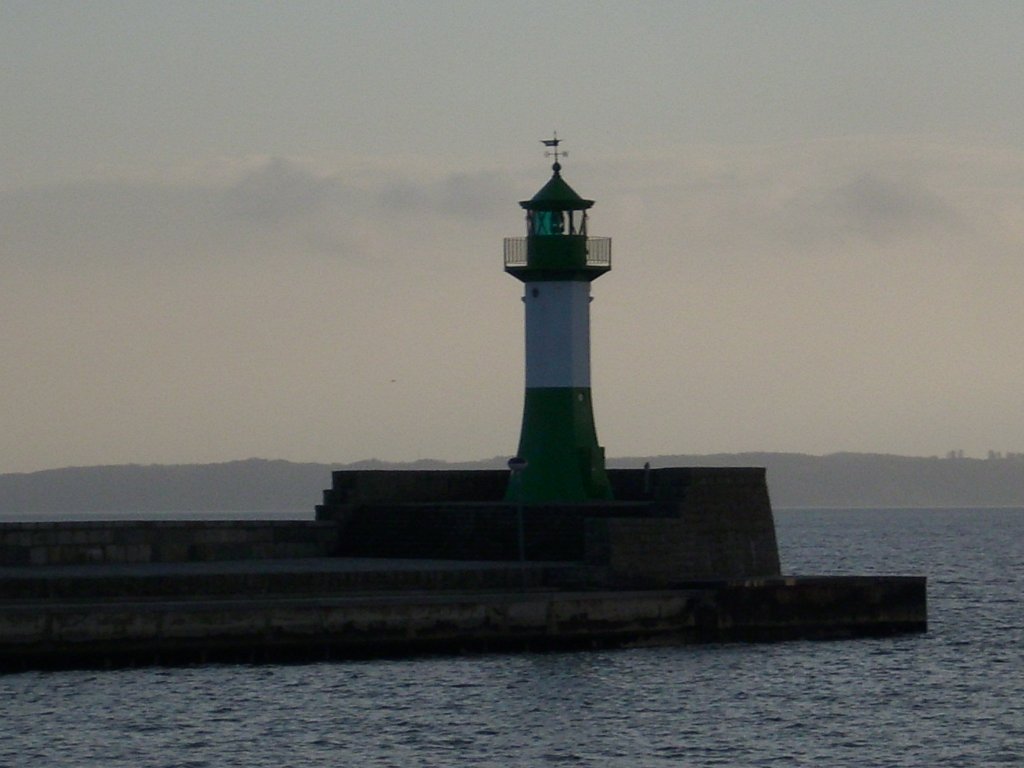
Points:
[(872, 480), (252, 484), (794, 480)]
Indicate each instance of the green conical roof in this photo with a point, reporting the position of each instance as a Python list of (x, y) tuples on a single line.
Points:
[(556, 195)]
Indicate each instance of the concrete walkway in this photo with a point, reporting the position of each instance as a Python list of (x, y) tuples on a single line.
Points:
[(298, 565), (262, 580)]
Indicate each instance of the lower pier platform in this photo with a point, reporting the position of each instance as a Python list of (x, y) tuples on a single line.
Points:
[(329, 608)]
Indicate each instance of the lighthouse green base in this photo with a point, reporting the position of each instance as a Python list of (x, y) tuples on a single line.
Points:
[(559, 443)]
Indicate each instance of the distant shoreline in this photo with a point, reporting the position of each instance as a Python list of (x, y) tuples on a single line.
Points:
[(260, 486)]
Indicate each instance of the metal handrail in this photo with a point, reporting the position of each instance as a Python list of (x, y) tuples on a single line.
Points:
[(515, 251), (599, 252)]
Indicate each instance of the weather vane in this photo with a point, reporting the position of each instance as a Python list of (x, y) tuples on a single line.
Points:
[(554, 151)]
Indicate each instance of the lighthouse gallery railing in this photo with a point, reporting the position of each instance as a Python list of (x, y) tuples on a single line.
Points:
[(599, 251)]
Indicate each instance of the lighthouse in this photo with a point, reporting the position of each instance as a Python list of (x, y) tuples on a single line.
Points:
[(556, 263)]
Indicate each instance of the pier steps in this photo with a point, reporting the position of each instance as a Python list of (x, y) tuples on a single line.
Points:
[(308, 577)]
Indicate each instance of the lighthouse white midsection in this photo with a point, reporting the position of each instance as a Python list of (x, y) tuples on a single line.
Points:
[(557, 333)]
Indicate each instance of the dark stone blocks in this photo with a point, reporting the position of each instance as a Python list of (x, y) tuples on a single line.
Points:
[(666, 526), (136, 541)]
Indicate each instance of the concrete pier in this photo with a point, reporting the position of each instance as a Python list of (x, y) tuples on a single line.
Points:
[(109, 615), (401, 563)]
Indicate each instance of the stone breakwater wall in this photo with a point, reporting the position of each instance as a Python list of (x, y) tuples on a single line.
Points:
[(665, 526), (198, 629), (132, 541), (681, 555)]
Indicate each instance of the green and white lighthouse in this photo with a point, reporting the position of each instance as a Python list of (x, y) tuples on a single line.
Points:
[(556, 262)]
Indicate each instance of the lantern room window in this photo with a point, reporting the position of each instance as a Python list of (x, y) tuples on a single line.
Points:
[(554, 223), (545, 223)]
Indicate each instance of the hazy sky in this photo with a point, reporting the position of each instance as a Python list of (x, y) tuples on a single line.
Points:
[(235, 229)]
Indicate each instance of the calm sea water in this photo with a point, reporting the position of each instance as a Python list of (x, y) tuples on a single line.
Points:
[(951, 697)]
